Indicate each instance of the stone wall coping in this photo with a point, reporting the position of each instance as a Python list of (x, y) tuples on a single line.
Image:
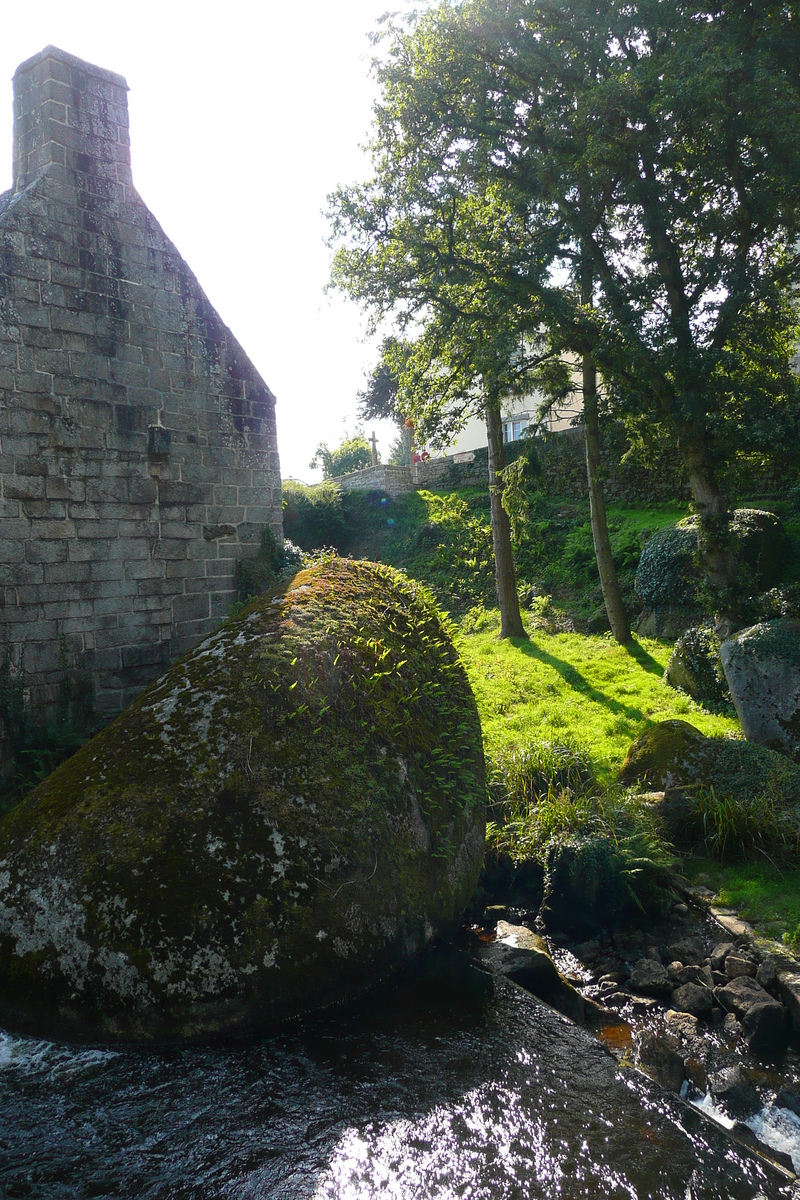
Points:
[(72, 60)]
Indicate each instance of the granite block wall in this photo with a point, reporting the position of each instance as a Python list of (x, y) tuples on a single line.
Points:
[(138, 453)]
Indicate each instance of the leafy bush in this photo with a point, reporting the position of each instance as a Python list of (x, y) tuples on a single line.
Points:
[(480, 619), (314, 517), (549, 808), (267, 566), (579, 551)]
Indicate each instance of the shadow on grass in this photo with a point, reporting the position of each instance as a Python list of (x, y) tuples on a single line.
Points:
[(645, 660), (578, 682)]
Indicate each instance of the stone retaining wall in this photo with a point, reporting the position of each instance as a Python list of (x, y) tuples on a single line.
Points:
[(559, 461)]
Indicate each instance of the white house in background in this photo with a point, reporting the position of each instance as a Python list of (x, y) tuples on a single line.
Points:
[(517, 414)]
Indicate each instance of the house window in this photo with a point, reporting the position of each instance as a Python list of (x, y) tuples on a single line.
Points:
[(513, 430)]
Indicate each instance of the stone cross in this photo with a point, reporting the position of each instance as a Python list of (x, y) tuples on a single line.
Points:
[(373, 441)]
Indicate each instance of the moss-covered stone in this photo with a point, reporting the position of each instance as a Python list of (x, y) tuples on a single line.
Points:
[(667, 574), (762, 666), (292, 810), (694, 667), (675, 754)]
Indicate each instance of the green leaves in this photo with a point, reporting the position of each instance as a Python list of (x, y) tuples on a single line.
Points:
[(351, 454), (657, 137)]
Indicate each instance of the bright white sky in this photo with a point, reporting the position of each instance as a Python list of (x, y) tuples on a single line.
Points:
[(244, 116)]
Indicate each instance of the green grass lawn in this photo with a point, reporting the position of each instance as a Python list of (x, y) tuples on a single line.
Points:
[(586, 691), (769, 899), (592, 693)]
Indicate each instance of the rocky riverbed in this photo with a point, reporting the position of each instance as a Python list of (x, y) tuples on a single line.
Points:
[(698, 1009)]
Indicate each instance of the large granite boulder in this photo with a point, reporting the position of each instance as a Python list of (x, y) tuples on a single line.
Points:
[(694, 667), (762, 666), (667, 576), (673, 754), (290, 812)]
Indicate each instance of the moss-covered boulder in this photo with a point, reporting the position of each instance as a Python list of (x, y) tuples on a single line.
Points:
[(762, 666), (675, 754), (667, 575), (295, 808), (694, 667)]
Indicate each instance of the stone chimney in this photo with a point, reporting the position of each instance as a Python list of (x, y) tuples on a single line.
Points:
[(72, 116)]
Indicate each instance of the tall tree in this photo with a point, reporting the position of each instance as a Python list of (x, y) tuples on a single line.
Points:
[(379, 399), (460, 367), (654, 141), (352, 454), (462, 349)]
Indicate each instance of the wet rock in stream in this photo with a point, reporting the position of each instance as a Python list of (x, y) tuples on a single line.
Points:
[(695, 1005), (693, 998), (734, 1089), (650, 978)]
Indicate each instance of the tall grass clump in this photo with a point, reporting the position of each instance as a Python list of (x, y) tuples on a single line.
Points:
[(547, 806), (746, 828), (523, 776)]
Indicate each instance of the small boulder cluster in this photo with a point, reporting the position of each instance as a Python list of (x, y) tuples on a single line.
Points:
[(720, 983)]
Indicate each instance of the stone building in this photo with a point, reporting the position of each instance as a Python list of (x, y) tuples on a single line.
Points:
[(138, 454)]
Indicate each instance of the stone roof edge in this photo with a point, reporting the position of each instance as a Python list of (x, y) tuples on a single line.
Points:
[(72, 60)]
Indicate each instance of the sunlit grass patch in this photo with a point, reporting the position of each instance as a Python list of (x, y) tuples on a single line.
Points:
[(768, 898), (588, 691)]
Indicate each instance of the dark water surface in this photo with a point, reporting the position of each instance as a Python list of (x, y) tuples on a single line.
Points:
[(432, 1089)]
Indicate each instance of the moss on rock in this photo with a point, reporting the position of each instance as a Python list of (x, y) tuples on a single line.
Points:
[(287, 814), (762, 666), (675, 754)]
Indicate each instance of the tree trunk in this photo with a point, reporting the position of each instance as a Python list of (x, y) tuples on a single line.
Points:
[(504, 573), (612, 596), (715, 549)]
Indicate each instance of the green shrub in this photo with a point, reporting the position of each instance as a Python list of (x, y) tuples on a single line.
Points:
[(314, 517), (272, 560)]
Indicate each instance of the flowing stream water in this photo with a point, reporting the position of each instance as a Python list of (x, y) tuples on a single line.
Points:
[(447, 1084)]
